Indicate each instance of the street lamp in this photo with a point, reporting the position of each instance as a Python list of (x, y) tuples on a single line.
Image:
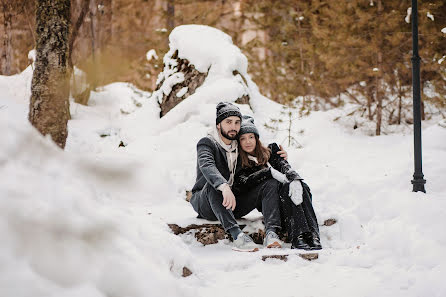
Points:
[(418, 177)]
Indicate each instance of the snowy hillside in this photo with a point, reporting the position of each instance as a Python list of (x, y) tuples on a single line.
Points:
[(92, 220)]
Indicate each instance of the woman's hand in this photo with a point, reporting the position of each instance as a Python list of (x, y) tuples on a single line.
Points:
[(296, 192), (282, 153)]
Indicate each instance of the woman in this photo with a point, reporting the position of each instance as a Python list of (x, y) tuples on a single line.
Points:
[(260, 163)]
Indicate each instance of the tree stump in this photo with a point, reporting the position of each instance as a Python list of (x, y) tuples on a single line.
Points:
[(192, 80), (179, 80)]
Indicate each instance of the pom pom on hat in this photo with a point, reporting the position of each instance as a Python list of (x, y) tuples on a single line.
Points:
[(248, 126), (225, 110)]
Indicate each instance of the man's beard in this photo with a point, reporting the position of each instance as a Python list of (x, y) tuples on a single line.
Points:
[(225, 134)]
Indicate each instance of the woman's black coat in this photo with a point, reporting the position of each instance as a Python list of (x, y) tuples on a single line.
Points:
[(248, 178)]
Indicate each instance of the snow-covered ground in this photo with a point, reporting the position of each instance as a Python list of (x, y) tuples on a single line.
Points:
[(92, 220)]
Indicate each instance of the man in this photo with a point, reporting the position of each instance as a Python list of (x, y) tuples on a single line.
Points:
[(212, 197)]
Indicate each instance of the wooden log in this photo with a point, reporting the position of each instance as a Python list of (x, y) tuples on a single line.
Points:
[(280, 257), (309, 256)]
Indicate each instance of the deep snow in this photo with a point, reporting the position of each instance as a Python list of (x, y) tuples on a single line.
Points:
[(92, 220)]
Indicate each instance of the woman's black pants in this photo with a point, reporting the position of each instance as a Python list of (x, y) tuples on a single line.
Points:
[(297, 219)]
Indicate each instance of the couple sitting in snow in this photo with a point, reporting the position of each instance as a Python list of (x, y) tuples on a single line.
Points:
[(234, 177)]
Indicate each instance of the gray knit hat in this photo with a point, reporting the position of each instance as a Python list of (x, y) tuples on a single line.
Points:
[(225, 110), (248, 126)]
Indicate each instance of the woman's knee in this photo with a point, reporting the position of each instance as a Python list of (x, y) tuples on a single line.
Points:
[(272, 183), (270, 189)]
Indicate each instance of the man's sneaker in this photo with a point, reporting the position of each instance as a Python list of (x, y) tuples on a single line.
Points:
[(244, 243), (272, 240)]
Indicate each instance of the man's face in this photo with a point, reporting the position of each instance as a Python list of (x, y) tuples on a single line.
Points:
[(229, 127)]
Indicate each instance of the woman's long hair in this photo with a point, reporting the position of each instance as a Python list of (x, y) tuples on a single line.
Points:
[(260, 152)]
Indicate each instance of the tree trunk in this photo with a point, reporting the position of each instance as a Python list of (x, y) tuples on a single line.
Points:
[(75, 30), (112, 20), (7, 48), (299, 29), (369, 103), (93, 79), (379, 99), (379, 96), (423, 114), (170, 15), (31, 26), (49, 108), (400, 103), (170, 19)]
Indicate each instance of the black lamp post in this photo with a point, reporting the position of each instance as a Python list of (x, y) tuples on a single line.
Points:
[(418, 177)]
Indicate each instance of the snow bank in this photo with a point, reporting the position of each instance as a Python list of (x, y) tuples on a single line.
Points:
[(64, 234)]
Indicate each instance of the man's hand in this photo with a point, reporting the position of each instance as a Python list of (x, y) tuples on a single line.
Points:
[(228, 197), (282, 153)]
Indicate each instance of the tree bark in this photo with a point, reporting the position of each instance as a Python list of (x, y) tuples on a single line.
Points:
[(49, 108), (7, 48)]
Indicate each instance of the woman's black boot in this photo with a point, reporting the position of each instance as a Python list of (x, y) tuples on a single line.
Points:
[(312, 239), (300, 243)]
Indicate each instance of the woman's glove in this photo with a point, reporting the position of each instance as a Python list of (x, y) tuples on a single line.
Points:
[(277, 175), (296, 192)]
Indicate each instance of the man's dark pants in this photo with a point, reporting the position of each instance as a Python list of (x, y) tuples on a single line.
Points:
[(265, 197)]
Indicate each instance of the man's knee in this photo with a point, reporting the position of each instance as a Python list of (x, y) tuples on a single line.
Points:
[(200, 203), (212, 194)]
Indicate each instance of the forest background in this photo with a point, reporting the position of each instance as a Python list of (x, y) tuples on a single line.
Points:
[(311, 55)]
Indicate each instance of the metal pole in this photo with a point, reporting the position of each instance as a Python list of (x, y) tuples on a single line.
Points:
[(418, 177)]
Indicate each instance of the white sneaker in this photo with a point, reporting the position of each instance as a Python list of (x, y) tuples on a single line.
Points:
[(244, 243), (272, 240)]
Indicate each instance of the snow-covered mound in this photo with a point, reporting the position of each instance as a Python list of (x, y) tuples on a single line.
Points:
[(77, 223), (64, 234), (218, 54), (219, 58)]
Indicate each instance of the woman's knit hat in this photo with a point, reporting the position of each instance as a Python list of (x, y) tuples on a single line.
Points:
[(225, 110), (248, 126)]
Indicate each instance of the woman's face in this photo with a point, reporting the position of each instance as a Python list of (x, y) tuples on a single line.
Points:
[(248, 142)]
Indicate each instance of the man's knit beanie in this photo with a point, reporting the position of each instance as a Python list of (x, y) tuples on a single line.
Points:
[(226, 109), (248, 126)]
